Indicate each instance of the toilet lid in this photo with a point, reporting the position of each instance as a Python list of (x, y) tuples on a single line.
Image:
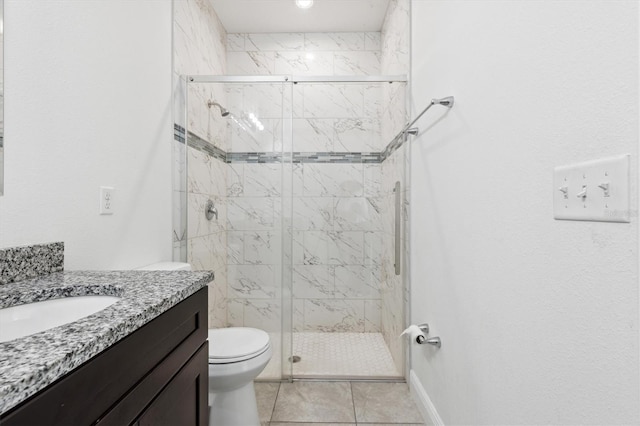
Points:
[(236, 343)]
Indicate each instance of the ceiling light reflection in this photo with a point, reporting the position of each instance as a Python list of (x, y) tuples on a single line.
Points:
[(304, 4)]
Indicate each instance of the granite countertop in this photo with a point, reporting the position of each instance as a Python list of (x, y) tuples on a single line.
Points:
[(31, 363)]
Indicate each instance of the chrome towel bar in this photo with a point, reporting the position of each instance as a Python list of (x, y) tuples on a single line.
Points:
[(447, 102)]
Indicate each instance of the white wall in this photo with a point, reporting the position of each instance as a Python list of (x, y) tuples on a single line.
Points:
[(538, 318), (88, 97)]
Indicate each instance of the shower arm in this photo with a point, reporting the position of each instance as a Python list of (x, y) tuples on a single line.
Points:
[(448, 102)]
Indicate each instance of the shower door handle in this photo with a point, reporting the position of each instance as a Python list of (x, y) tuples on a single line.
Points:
[(397, 229)]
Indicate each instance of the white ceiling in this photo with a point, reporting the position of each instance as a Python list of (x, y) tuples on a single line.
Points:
[(283, 16)]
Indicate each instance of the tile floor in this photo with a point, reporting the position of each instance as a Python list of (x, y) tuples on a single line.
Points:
[(335, 403)]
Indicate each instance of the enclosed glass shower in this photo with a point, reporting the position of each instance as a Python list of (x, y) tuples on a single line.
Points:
[(296, 195)]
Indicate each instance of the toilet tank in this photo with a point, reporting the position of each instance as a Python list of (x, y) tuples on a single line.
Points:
[(167, 266)]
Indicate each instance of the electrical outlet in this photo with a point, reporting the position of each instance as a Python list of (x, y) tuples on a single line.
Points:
[(106, 200)]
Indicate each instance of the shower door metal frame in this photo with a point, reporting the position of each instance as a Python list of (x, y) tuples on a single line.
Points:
[(295, 79)]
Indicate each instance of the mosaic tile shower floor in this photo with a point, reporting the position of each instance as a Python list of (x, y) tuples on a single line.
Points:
[(334, 355), (342, 355)]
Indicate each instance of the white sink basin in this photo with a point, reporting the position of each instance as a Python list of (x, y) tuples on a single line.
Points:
[(24, 320)]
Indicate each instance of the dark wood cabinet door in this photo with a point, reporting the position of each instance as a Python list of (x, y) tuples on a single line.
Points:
[(185, 400)]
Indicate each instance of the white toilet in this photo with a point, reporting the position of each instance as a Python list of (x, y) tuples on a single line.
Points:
[(166, 266), (236, 356)]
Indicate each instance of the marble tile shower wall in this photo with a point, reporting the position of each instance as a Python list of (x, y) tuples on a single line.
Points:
[(207, 239), (268, 103), (394, 288), (337, 212), (254, 245), (396, 38), (337, 247), (304, 53), (199, 49), (394, 291), (254, 207)]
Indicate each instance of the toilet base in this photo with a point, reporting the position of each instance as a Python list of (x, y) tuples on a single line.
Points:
[(234, 408)]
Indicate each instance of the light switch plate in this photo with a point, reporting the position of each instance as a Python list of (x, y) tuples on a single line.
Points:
[(594, 190)]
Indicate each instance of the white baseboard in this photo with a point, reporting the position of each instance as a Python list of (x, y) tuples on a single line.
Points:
[(426, 407)]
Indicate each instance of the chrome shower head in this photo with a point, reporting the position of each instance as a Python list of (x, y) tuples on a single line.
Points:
[(223, 111)]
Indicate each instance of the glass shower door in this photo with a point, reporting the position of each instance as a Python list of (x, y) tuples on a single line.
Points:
[(348, 302), (237, 133)]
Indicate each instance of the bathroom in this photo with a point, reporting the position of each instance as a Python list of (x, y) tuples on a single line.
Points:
[(538, 317)]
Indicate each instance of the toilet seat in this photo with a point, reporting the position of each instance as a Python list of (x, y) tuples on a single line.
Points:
[(235, 344)]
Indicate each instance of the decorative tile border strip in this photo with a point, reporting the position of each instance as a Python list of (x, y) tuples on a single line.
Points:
[(337, 157), (202, 145), (178, 132), (21, 263), (393, 146), (304, 157), (254, 157)]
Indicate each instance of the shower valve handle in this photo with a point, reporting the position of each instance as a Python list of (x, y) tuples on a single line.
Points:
[(210, 211)]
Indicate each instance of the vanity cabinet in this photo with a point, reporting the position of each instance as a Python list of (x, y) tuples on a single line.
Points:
[(158, 375)]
